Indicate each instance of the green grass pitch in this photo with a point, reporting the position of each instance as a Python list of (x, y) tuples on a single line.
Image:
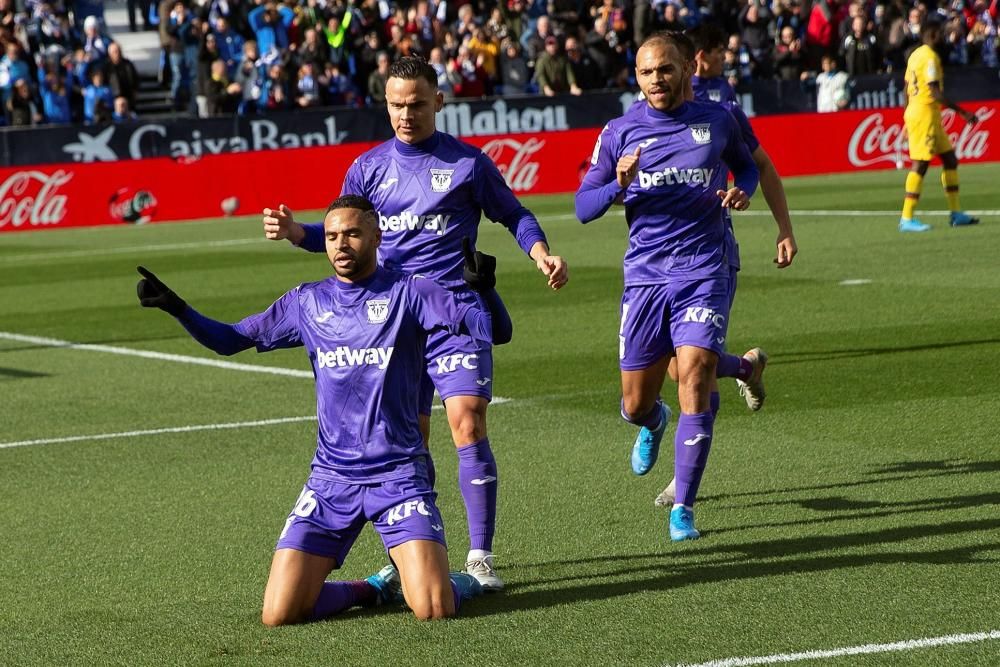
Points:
[(860, 506)]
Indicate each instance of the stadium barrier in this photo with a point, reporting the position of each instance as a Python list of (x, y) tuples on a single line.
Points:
[(538, 162)]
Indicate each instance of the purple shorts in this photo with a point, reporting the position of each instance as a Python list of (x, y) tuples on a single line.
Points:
[(657, 319), (328, 516), (456, 365)]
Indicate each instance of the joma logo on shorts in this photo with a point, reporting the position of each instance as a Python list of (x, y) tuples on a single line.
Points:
[(701, 314), (675, 176), (346, 356), (449, 363), (433, 222), (404, 510)]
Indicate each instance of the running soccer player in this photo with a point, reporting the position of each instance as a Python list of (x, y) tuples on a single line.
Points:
[(669, 171), (709, 44), (365, 331), (430, 190), (924, 88)]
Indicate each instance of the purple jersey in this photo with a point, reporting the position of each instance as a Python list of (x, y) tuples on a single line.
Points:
[(431, 195), (676, 223), (366, 344), (713, 89)]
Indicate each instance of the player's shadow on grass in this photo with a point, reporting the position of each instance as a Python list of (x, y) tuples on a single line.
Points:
[(851, 510), (707, 564), (18, 374), (894, 472), (792, 357)]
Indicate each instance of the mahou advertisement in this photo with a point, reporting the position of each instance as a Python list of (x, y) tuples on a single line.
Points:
[(164, 189)]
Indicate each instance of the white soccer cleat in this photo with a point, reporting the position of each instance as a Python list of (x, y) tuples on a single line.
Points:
[(752, 389), (484, 572), (666, 497)]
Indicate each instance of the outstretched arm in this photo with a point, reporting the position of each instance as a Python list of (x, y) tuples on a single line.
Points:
[(217, 336), (774, 195)]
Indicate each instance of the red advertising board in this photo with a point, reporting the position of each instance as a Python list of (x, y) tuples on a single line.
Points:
[(74, 194)]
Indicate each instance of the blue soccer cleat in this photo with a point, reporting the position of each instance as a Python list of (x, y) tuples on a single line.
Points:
[(467, 586), (682, 524), (913, 225), (387, 584), (646, 448), (961, 219)]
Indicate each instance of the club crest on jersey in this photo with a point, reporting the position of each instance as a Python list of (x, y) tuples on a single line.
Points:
[(715, 95), (702, 134), (378, 310), (441, 179)]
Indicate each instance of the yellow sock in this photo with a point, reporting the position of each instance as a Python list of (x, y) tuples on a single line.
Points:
[(914, 185), (949, 179)]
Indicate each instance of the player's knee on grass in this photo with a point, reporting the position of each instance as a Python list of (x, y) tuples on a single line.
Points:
[(433, 601)]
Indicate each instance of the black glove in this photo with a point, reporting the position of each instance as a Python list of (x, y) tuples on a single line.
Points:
[(480, 269), (154, 294)]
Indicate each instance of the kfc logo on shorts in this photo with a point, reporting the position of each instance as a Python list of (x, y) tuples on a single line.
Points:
[(701, 315), (441, 179), (449, 363), (702, 134), (378, 310), (403, 511)]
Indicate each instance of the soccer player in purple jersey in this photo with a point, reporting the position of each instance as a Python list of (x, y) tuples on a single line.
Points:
[(668, 169), (430, 190), (709, 42), (365, 330)]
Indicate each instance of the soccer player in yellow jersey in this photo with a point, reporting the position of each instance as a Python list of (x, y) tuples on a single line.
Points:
[(924, 99)]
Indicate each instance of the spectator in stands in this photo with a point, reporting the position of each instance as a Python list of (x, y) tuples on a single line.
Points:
[(788, 60), (670, 17), (314, 50), (270, 23), (13, 67), (377, 80), (955, 41), (831, 87), (121, 75), (55, 94), (97, 94), (274, 93), (340, 90), (143, 7), (466, 24), (308, 87), (437, 61), (911, 31), (122, 111), (485, 48), (21, 107), (533, 41), (821, 30), (860, 50), (602, 46), (335, 37), (552, 71), (250, 77), (753, 22), (230, 44), (95, 44), (184, 39), (854, 9), (585, 71), (514, 20), (366, 60), (467, 75), (208, 53), (223, 96), (515, 77), (982, 36), (745, 65), (788, 14)]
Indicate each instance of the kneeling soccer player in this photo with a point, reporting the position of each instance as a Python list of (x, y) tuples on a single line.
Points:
[(365, 329)]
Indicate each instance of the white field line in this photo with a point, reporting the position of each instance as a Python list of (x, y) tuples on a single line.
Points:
[(909, 645), (159, 356), (183, 429), (153, 247)]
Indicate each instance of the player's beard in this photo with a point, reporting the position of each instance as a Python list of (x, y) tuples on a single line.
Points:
[(358, 264), (672, 96)]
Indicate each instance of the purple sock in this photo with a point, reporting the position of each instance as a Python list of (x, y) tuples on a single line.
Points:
[(336, 596), (732, 366), (691, 446), (477, 478), (650, 420), (714, 400)]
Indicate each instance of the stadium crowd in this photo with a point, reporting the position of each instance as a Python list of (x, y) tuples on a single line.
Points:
[(223, 56)]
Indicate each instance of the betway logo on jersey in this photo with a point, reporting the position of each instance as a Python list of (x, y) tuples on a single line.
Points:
[(675, 176), (432, 222), (348, 356)]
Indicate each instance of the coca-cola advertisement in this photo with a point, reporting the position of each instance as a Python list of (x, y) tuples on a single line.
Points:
[(803, 144), (163, 189)]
